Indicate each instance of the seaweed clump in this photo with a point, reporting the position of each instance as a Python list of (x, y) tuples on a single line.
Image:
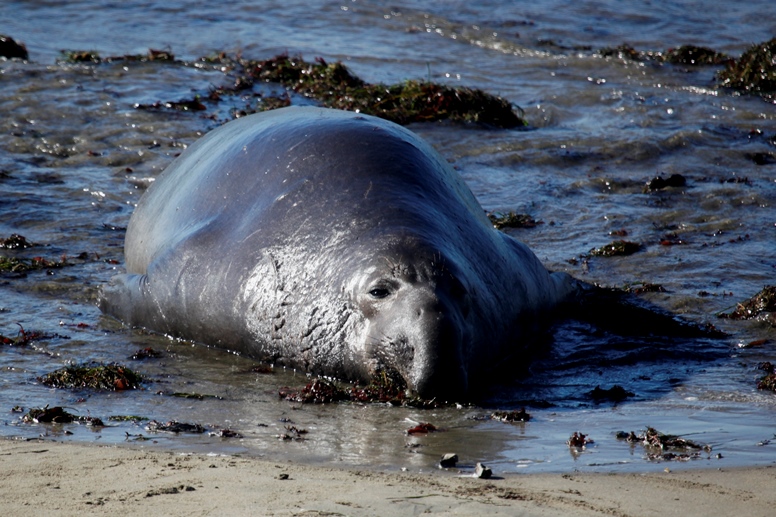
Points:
[(145, 353), (317, 391), (15, 242), (126, 418), (754, 72), (173, 426), (684, 55), (58, 415), (332, 85), (335, 86), (694, 55), (511, 220), (578, 440), (25, 337), (23, 266), (616, 248), (384, 388), (643, 287), (623, 51), (658, 445), (511, 416), (113, 377), (90, 56), (768, 381), (764, 301)]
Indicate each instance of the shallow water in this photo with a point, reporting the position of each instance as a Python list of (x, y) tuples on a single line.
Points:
[(76, 157)]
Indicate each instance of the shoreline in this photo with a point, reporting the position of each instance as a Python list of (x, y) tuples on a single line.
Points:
[(77, 479)]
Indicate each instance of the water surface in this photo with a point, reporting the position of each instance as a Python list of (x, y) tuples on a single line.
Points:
[(76, 156)]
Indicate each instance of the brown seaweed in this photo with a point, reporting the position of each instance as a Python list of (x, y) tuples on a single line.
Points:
[(112, 377)]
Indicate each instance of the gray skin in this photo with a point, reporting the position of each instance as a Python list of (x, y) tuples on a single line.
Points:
[(333, 242)]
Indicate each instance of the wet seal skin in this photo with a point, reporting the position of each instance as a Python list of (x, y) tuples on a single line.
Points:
[(336, 243)]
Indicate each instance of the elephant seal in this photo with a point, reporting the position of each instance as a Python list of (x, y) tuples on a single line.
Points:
[(334, 242)]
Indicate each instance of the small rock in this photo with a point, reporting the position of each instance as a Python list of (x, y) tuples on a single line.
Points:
[(448, 460), (482, 472), (283, 476)]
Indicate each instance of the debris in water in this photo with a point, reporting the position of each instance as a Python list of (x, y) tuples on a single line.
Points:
[(616, 248), (754, 72), (764, 301), (422, 428), (174, 426), (511, 416), (658, 445), (113, 377), (578, 440), (512, 220)]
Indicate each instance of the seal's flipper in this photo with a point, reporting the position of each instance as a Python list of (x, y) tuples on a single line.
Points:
[(128, 298), (623, 313)]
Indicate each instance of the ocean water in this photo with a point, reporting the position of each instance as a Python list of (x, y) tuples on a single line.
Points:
[(76, 156)]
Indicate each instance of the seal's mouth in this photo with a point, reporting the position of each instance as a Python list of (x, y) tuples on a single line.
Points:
[(391, 380), (388, 384), (443, 379)]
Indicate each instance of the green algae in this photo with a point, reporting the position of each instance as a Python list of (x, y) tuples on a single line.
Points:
[(92, 56), (21, 265), (384, 388), (754, 72), (111, 377), (689, 55), (127, 418), (334, 86), (511, 220), (694, 55)]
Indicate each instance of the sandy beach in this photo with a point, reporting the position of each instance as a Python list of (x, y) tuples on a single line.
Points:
[(56, 478)]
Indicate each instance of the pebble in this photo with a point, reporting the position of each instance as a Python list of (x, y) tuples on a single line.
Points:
[(482, 472), (448, 460)]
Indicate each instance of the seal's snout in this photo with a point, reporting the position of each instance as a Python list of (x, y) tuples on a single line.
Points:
[(438, 370), (438, 367)]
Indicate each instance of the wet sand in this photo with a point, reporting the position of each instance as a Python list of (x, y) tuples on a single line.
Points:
[(57, 478)]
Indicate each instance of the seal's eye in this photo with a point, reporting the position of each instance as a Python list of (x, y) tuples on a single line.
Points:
[(379, 292)]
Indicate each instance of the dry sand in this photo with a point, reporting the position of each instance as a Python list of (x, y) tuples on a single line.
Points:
[(54, 478)]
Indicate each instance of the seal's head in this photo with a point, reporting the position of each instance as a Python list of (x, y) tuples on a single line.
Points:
[(416, 307)]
